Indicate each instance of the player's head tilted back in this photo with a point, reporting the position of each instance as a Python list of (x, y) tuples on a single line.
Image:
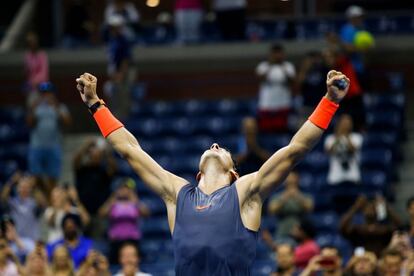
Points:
[(217, 160)]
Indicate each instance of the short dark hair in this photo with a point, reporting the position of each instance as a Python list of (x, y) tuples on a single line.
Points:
[(277, 48), (410, 201), (131, 244), (392, 252), (74, 217), (330, 246)]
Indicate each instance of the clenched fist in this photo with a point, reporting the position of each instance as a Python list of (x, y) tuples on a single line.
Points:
[(334, 93), (86, 85)]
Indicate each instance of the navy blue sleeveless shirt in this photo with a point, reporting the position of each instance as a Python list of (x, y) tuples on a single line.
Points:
[(209, 236)]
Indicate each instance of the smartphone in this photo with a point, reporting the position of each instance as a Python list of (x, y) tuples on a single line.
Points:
[(327, 262)]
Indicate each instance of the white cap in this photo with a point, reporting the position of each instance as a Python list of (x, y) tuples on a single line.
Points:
[(116, 20), (354, 11)]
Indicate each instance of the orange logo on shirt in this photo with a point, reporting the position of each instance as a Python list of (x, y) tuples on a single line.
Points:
[(203, 207)]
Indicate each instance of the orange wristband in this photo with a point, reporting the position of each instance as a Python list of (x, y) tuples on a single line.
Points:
[(323, 113), (107, 122)]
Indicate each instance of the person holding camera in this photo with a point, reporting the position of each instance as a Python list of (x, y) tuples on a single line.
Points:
[(362, 263), (9, 263), (344, 147), (329, 263), (95, 264)]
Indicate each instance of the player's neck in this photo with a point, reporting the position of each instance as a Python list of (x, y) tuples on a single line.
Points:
[(213, 178)]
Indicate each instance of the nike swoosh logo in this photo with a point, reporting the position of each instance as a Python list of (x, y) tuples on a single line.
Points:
[(200, 208)]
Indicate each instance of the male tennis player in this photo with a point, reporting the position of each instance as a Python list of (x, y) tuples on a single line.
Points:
[(214, 224)]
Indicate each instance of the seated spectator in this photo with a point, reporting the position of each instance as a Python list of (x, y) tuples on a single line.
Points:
[(304, 234), (344, 149), (94, 167), (9, 263), (26, 206), (188, 17), (124, 211), (252, 155), (73, 240), (95, 264), (46, 116), (380, 221), (231, 18), (285, 260), (129, 261), (363, 263), (328, 263), (311, 81), (36, 263), (290, 207), (391, 263), (275, 103), (62, 264), (64, 200), (129, 14), (20, 246)]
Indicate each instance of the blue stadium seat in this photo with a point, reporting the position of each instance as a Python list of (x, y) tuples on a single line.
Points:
[(390, 102), (374, 179), (159, 268), (326, 222), (155, 204), (380, 140), (263, 267), (376, 159), (155, 228), (383, 121), (273, 142)]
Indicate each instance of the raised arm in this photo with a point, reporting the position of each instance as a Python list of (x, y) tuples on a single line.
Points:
[(159, 180), (277, 167)]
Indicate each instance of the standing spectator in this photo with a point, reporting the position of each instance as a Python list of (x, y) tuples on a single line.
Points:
[(36, 263), (290, 207), (127, 11), (311, 81), (73, 240), (36, 66), (19, 246), (124, 211), (129, 261), (380, 221), (45, 117), (329, 263), (231, 18), (78, 25), (9, 263), (362, 264), (94, 168), (285, 261), (120, 71), (64, 200), (62, 264), (391, 263), (304, 234), (275, 103), (252, 155), (344, 147), (95, 264), (26, 206), (188, 17)]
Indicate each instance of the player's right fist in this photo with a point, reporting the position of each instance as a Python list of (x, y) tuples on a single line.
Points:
[(86, 85)]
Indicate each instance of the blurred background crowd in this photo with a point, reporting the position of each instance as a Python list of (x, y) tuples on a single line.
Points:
[(181, 75)]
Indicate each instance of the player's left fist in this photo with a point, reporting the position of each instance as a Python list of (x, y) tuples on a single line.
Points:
[(337, 85)]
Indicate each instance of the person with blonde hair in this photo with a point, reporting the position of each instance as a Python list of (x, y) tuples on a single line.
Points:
[(62, 264)]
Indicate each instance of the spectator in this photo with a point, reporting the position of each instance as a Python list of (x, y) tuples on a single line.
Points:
[(26, 206), (128, 13), (344, 147), (311, 81), (96, 264), (36, 263), (304, 234), (285, 260), (129, 261), (353, 103), (36, 66), (290, 207), (188, 17), (391, 263), (73, 240), (62, 264), (64, 200), (375, 232), (20, 246), (124, 211), (276, 76), (120, 71), (362, 263), (231, 18), (78, 25), (252, 155), (9, 263), (401, 241), (94, 168), (328, 263), (45, 117)]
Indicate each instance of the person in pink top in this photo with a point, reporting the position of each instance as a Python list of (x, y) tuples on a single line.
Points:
[(124, 211), (307, 248), (188, 16), (36, 65)]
